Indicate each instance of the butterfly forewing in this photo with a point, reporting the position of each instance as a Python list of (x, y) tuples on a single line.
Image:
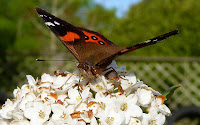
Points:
[(87, 46), (65, 32)]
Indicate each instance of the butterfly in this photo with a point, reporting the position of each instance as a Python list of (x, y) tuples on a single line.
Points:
[(93, 51)]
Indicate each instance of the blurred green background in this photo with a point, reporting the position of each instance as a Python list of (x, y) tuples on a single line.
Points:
[(24, 37)]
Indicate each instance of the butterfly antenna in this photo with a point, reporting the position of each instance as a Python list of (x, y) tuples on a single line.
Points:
[(40, 60)]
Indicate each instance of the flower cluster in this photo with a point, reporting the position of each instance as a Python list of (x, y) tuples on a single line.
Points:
[(115, 98)]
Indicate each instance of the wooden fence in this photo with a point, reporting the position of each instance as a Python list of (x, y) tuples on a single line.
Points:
[(162, 73)]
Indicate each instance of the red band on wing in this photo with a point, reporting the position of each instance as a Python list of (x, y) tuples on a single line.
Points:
[(70, 37), (89, 35)]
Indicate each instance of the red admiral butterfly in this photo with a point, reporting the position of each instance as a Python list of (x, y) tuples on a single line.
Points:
[(93, 51)]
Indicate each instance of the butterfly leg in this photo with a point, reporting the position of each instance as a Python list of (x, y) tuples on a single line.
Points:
[(68, 79), (102, 81), (79, 87), (78, 82), (117, 76)]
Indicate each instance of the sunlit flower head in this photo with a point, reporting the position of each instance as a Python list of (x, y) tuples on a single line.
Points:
[(116, 97)]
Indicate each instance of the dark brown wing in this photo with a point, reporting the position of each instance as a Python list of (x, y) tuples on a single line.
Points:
[(87, 46), (66, 33)]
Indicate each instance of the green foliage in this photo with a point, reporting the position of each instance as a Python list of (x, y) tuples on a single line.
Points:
[(150, 18), (169, 92)]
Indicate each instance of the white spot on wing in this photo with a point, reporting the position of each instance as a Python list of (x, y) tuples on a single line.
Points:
[(45, 15), (41, 15), (49, 24), (50, 18), (57, 23), (147, 41), (155, 40)]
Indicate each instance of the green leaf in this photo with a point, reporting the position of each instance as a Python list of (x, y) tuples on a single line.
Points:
[(169, 92)]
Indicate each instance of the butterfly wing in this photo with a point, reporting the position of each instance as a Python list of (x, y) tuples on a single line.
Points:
[(87, 46), (139, 45), (90, 47), (96, 47), (68, 34)]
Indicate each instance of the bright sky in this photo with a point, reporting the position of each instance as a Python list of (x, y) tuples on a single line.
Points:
[(121, 5)]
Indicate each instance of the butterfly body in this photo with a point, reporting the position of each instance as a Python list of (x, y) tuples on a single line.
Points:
[(93, 51)]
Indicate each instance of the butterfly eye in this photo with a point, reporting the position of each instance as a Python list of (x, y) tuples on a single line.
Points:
[(101, 42), (86, 37), (94, 38)]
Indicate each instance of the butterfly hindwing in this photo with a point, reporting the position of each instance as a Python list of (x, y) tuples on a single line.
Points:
[(149, 42), (139, 45), (96, 47)]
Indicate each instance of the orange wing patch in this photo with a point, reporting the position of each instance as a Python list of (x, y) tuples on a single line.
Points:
[(94, 38), (70, 37)]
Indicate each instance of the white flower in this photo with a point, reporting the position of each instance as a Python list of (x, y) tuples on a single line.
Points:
[(37, 112), (43, 87), (75, 97), (4, 122), (61, 112), (162, 107), (24, 90), (7, 109), (145, 97), (160, 119), (155, 116), (16, 92), (47, 78), (93, 121), (111, 117), (75, 122), (107, 110), (128, 81), (62, 99), (31, 80), (100, 85), (128, 106), (18, 115), (28, 98), (112, 65), (48, 97), (55, 122), (20, 122), (104, 101), (134, 121), (146, 119), (59, 81), (81, 107)]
